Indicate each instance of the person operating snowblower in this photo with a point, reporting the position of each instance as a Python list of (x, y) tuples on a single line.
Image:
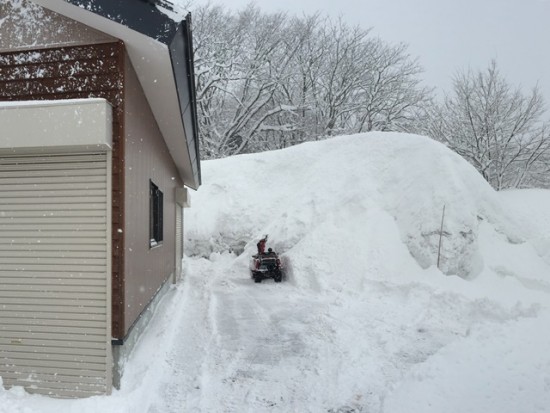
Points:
[(261, 246), (266, 265)]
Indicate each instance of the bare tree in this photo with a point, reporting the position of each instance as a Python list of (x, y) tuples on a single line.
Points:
[(390, 93), (297, 89), (269, 81), (496, 128), (344, 57), (241, 61)]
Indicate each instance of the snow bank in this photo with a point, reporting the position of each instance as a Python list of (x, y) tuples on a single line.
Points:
[(530, 209), (357, 219), (367, 188), (475, 375)]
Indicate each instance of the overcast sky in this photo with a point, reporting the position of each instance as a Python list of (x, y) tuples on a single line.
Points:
[(447, 35)]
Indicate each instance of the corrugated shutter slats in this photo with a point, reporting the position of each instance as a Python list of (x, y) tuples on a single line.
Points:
[(53, 273)]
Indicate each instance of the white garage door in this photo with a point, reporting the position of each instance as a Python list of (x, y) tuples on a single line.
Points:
[(55, 273)]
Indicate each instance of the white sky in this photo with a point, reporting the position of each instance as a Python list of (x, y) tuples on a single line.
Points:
[(448, 35)]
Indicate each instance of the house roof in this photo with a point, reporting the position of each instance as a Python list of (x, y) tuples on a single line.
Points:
[(161, 50)]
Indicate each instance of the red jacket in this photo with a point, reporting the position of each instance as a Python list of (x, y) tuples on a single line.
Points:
[(261, 246)]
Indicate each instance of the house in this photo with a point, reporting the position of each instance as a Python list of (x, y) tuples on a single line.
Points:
[(98, 143)]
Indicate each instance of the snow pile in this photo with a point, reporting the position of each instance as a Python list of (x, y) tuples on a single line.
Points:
[(366, 321), (532, 213), (357, 219), (351, 193)]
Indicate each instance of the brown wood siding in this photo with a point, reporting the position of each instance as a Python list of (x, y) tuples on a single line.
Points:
[(147, 158), (75, 73)]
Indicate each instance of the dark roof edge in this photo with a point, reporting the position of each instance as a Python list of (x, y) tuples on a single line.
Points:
[(187, 24), (184, 75), (142, 16)]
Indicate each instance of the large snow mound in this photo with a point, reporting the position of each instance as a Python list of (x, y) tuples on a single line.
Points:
[(381, 328), (352, 197), (532, 212)]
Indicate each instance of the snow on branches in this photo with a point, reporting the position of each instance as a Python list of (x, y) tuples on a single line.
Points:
[(266, 81)]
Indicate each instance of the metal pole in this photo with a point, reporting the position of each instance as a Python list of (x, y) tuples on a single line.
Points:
[(440, 236)]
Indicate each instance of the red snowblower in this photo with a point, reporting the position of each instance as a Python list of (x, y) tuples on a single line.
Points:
[(266, 265)]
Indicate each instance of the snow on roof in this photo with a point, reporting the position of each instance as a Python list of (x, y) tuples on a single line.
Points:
[(173, 9)]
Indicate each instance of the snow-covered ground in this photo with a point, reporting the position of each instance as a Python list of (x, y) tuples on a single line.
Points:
[(365, 321)]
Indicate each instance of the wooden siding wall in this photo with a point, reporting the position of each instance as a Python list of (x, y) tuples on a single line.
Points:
[(147, 158), (75, 73)]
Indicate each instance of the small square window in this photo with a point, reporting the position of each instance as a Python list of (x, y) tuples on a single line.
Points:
[(156, 203)]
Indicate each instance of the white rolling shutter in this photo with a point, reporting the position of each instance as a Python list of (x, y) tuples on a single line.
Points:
[(55, 326)]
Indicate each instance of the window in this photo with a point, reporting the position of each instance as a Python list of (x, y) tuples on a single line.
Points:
[(155, 214)]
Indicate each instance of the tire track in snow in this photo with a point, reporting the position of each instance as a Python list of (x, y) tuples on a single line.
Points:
[(260, 352), (180, 387)]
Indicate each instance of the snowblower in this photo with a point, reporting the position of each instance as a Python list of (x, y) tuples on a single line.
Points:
[(266, 265)]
